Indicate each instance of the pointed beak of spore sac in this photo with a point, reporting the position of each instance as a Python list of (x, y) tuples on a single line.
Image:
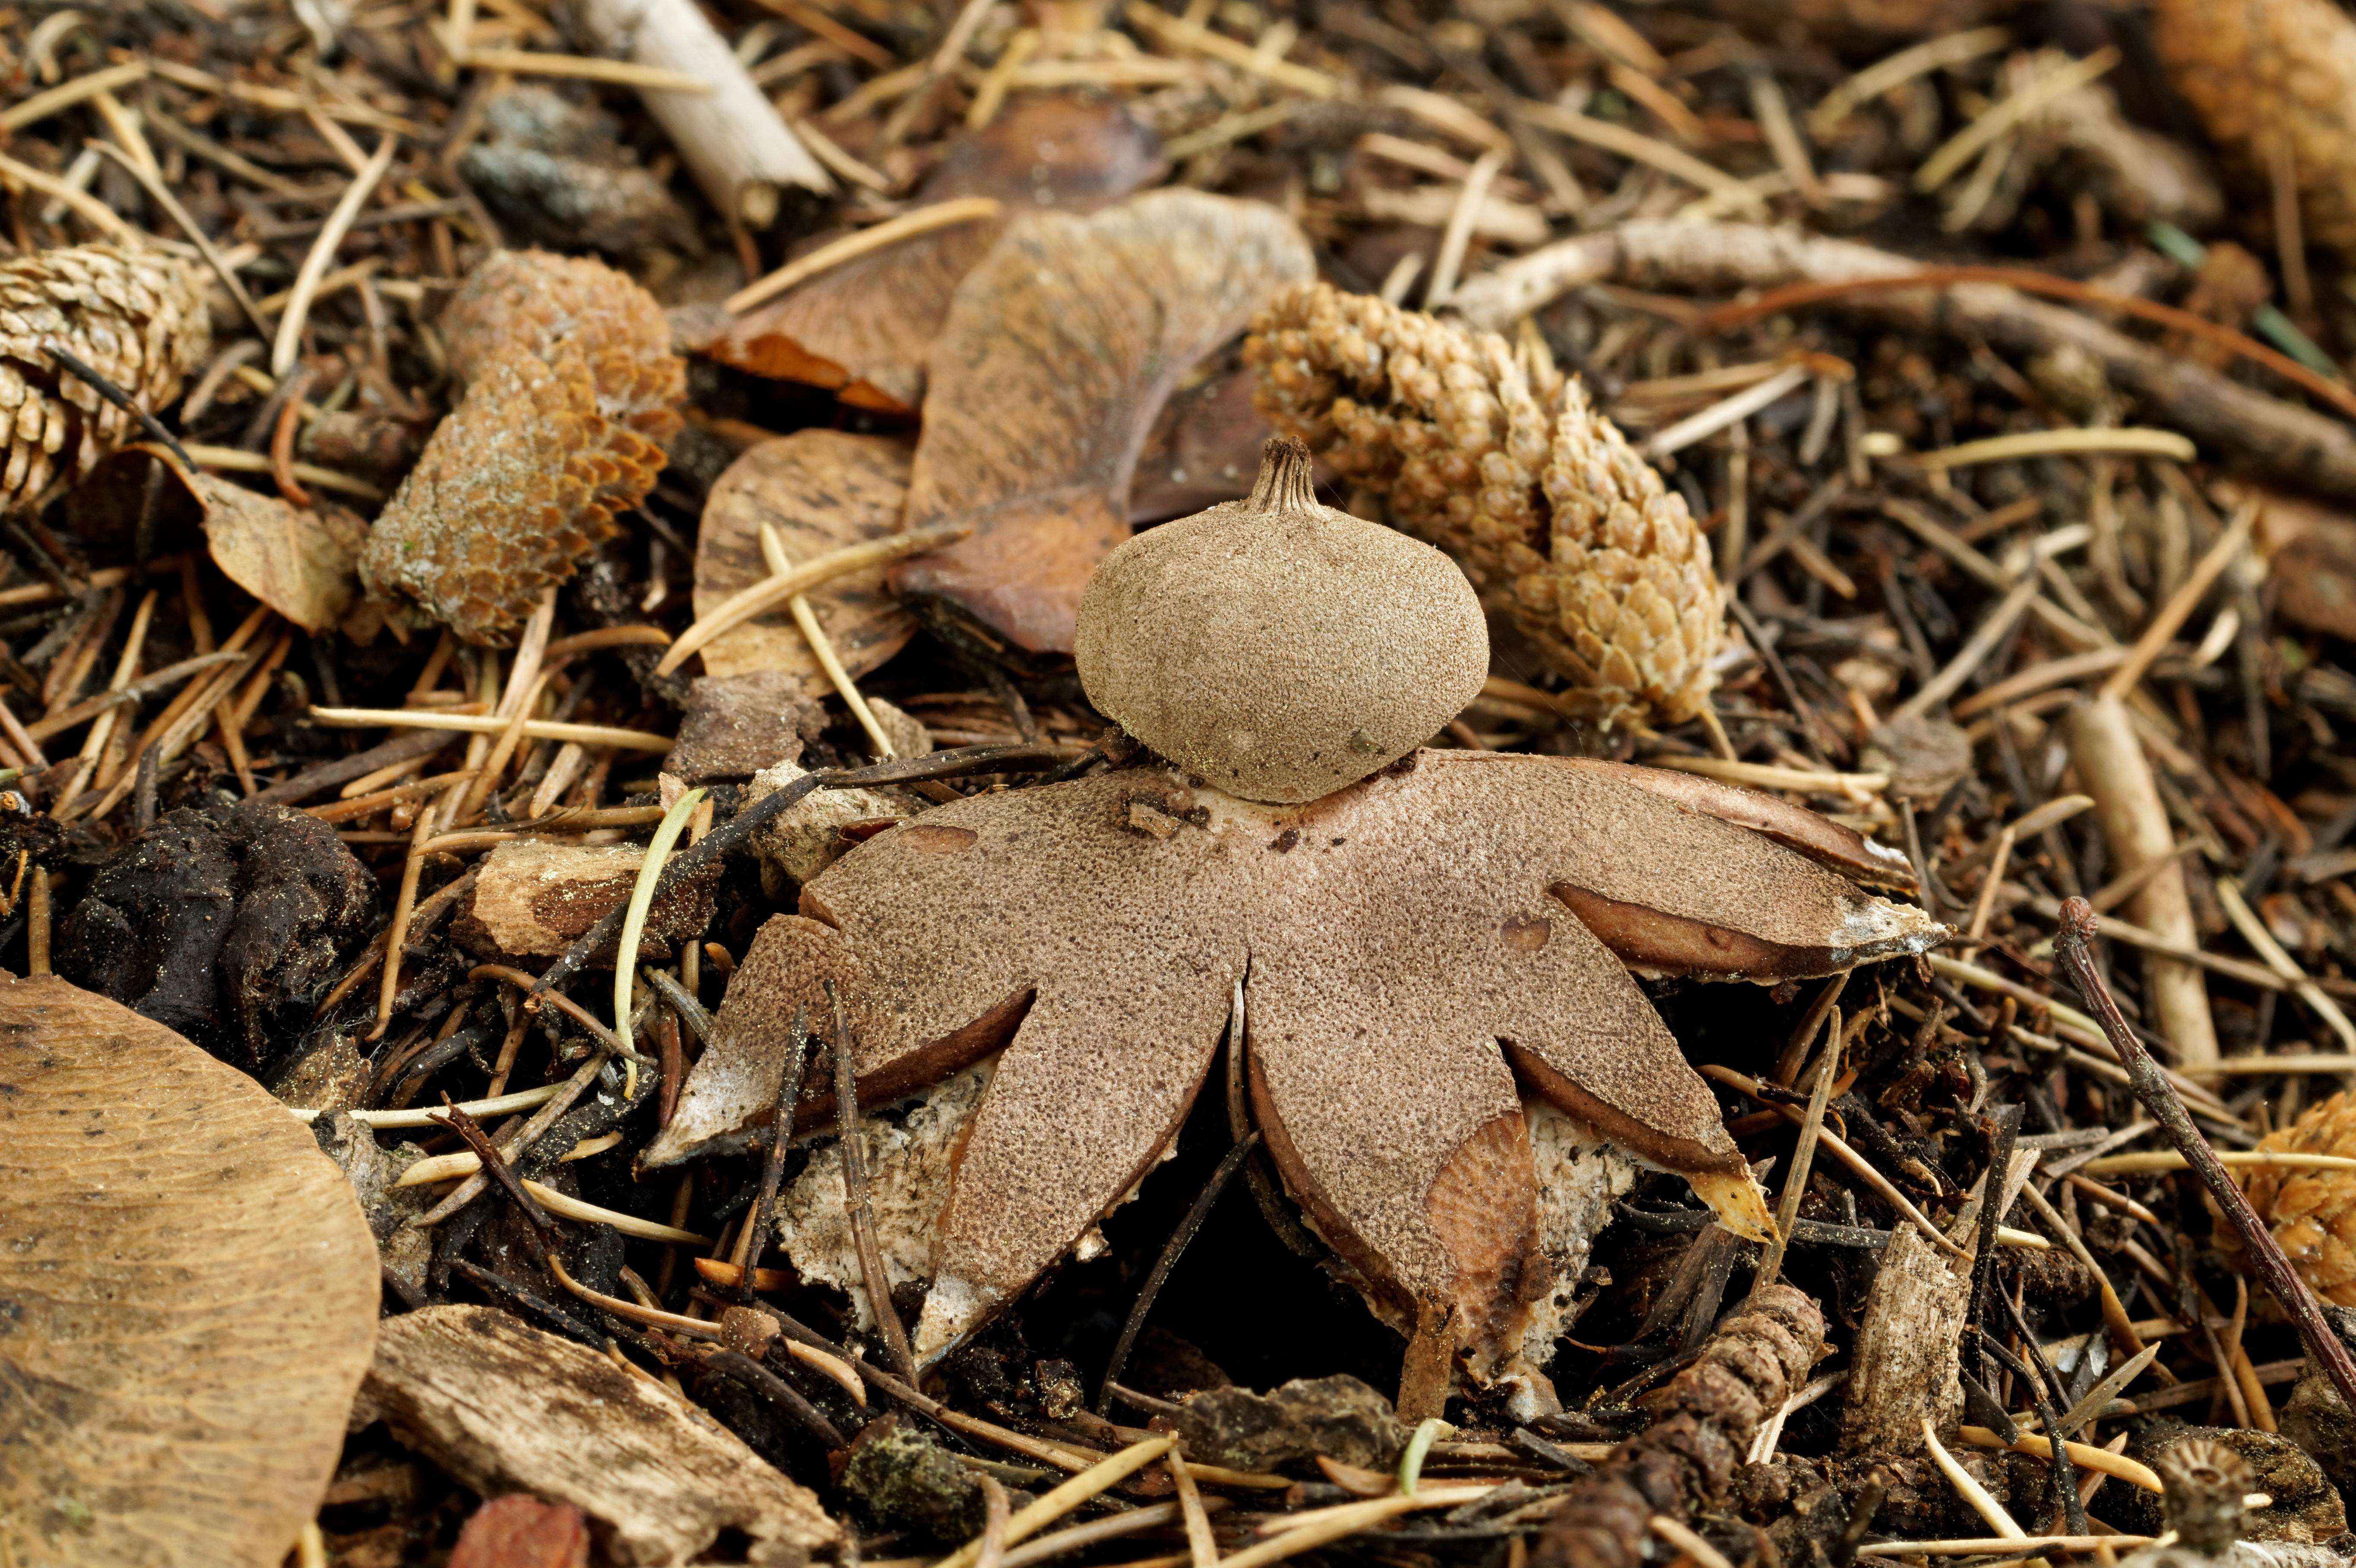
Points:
[(1737, 1201)]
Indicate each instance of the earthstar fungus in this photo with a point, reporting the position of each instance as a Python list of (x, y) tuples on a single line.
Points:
[(1425, 938)]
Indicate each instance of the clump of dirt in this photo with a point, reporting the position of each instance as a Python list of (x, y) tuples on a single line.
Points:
[(224, 924)]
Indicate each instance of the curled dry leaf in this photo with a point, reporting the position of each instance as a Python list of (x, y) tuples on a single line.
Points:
[(2270, 76), (302, 563), (1509, 468), (1058, 352), (506, 1408), (821, 490), (190, 1291), (1094, 931), (135, 316), (571, 385), (863, 329)]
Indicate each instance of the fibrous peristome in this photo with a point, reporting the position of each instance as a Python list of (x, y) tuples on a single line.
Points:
[(1279, 648), (1410, 964), (191, 1290), (1058, 351)]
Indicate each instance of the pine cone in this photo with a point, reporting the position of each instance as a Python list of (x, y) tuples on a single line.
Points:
[(1511, 470), (571, 384), (135, 316), (2259, 71), (2313, 1212)]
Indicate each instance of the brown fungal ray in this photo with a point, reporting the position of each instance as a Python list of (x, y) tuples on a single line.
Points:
[(862, 329), (187, 1296), (1795, 828), (1058, 352), (821, 490), (1410, 954)]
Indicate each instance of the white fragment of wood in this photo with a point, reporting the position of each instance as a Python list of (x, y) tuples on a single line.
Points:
[(506, 1408), (1904, 1366), (742, 153)]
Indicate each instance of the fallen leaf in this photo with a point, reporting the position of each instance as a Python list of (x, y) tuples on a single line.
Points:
[(1203, 449), (1058, 352), (821, 490), (863, 329), (188, 1293), (505, 1407), (302, 564)]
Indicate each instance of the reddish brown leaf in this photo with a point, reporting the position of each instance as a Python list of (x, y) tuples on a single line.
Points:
[(862, 329), (518, 1530)]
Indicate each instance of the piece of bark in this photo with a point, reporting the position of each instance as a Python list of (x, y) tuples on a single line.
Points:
[(518, 1530), (504, 1407), (744, 157), (187, 1297), (2243, 427), (862, 329), (1903, 1366), (531, 899), (737, 725), (2111, 766), (1338, 1418), (821, 490), (1057, 354), (1745, 1371)]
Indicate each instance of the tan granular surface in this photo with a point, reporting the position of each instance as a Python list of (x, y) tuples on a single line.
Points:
[(1507, 467), (571, 386)]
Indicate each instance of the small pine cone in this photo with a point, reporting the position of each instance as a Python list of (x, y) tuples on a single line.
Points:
[(135, 316), (2312, 1213), (571, 385), (2258, 72), (1510, 469)]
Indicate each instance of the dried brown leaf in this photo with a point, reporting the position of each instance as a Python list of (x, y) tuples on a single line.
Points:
[(302, 563), (190, 1296), (1409, 957), (505, 1407), (821, 490), (862, 329), (1059, 351)]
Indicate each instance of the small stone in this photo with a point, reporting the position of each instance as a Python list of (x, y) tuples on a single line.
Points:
[(1923, 756), (1338, 1417), (900, 1479), (737, 725)]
